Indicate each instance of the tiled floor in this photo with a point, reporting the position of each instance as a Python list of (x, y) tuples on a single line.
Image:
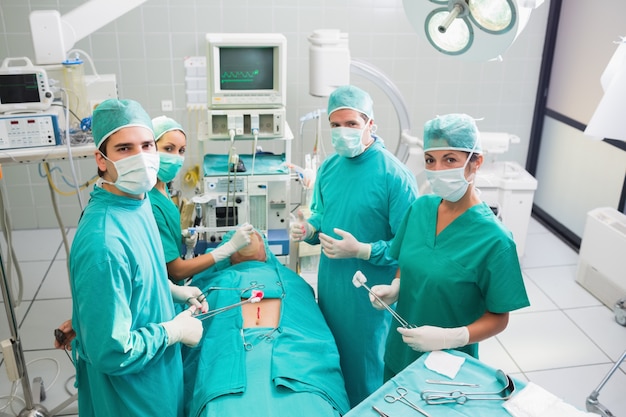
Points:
[(565, 342)]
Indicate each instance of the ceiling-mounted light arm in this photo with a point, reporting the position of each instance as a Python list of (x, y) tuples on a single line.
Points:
[(478, 30), (54, 35), (457, 9)]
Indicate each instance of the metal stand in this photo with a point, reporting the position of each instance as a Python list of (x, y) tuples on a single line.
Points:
[(31, 409), (593, 405)]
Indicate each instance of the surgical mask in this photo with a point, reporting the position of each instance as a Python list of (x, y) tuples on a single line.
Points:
[(169, 166), (449, 184), (347, 141), (136, 174)]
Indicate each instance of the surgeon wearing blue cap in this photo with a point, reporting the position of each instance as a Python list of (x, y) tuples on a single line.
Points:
[(459, 272), (127, 330), (361, 194)]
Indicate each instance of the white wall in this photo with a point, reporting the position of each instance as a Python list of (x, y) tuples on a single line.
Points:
[(575, 173), (146, 48)]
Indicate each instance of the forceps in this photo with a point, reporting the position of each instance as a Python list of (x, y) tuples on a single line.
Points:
[(402, 392), (359, 280), (253, 286), (254, 298), (460, 397)]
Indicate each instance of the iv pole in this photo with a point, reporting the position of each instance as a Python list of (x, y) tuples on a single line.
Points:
[(31, 409)]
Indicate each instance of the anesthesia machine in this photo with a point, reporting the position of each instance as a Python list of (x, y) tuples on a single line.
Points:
[(246, 95)]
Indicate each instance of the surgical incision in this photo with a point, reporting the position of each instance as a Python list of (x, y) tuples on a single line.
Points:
[(265, 313)]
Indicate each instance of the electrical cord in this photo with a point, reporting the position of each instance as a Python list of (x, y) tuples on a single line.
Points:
[(12, 261), (254, 145), (58, 369), (69, 152), (48, 175), (11, 398), (64, 107)]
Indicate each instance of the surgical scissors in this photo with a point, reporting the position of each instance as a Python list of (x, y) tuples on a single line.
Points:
[(359, 280), (402, 392)]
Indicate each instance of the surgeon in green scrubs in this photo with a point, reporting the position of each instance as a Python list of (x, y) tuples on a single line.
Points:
[(171, 142), (360, 196), (459, 273), (126, 351)]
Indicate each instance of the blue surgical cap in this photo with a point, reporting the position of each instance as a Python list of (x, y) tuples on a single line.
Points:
[(112, 115), (164, 124), (452, 131), (353, 98)]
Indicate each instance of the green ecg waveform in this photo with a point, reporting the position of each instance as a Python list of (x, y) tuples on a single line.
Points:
[(239, 76)]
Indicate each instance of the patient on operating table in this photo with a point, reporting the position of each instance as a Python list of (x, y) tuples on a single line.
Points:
[(273, 357)]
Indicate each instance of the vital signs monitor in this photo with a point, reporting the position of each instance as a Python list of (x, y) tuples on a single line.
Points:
[(246, 70), (23, 88)]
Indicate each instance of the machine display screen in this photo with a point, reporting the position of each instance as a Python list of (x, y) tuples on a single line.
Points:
[(19, 88), (226, 216), (247, 68)]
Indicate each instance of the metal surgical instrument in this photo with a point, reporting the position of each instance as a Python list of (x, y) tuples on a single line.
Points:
[(254, 298), (359, 280), (460, 397), (458, 384), (402, 392), (380, 413), (253, 286)]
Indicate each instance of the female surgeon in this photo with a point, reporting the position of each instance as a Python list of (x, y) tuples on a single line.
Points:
[(459, 274), (171, 144)]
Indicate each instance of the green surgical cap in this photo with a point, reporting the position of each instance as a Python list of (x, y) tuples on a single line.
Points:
[(112, 115), (452, 131), (164, 124), (353, 98)]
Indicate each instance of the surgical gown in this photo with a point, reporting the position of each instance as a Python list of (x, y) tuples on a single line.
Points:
[(366, 196), (266, 372), (120, 294), (452, 279), (167, 218)]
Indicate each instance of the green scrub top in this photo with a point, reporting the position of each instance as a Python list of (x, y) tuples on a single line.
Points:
[(452, 279), (167, 218), (366, 196), (120, 294)]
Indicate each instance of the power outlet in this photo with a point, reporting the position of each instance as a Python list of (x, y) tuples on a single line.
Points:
[(10, 363), (167, 105)]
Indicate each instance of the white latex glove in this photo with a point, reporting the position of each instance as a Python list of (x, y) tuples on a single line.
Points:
[(190, 239), (428, 338), (346, 247), (387, 293), (192, 296), (300, 229), (184, 328), (238, 240)]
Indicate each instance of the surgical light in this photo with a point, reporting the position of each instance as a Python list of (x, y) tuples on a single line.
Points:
[(474, 29)]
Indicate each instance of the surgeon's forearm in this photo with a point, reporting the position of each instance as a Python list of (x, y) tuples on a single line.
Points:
[(179, 268), (490, 324)]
